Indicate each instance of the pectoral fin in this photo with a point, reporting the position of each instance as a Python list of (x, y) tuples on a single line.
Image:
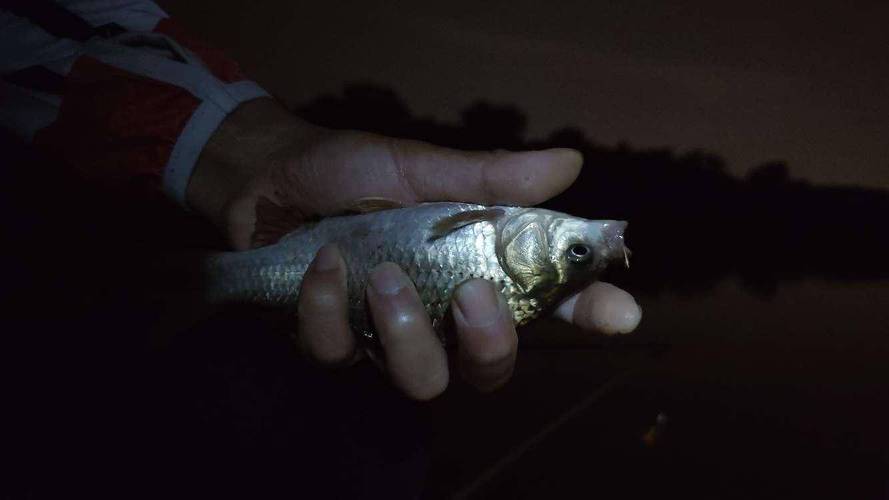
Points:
[(451, 223), (374, 204)]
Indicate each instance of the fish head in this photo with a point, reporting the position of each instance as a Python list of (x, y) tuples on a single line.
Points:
[(550, 255), (581, 249)]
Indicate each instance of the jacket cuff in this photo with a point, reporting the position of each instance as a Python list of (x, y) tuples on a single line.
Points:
[(198, 130)]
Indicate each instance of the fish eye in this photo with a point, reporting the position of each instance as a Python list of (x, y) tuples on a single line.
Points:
[(579, 252)]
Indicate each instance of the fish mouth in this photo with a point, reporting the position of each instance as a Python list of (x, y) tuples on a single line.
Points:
[(613, 241)]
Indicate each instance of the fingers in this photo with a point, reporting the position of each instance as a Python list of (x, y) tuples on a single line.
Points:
[(486, 336), (517, 178), (602, 307), (415, 358), (322, 310)]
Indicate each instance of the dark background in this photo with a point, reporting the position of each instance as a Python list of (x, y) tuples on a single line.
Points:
[(745, 146)]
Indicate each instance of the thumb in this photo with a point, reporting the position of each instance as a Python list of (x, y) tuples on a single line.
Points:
[(601, 307), (501, 177)]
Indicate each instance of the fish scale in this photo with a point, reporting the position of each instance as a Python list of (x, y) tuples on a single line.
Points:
[(436, 263)]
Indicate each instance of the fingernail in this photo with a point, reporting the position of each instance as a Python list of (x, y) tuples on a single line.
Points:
[(478, 302), (327, 259), (388, 279)]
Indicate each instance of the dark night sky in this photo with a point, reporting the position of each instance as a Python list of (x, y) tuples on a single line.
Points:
[(753, 82)]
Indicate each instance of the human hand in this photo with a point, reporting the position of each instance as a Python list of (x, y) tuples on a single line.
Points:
[(263, 151)]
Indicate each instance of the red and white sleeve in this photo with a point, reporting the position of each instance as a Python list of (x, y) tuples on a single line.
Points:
[(124, 110)]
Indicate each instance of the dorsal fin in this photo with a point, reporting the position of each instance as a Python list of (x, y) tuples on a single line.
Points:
[(456, 221), (272, 222), (374, 204)]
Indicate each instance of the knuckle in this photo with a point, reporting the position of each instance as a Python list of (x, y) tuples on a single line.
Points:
[(418, 365), (429, 387), (493, 355), (318, 301), (332, 355), (327, 346), (499, 350), (321, 293), (405, 319), (316, 304), (487, 378), (401, 315), (487, 386), (396, 150)]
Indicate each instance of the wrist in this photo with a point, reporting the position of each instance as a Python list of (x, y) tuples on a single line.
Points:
[(240, 149)]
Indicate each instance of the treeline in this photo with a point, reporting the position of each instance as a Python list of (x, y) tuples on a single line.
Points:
[(692, 223)]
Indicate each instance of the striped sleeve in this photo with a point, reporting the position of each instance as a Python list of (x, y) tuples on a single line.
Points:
[(126, 110)]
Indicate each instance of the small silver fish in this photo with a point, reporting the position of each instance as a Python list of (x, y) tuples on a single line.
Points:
[(535, 257)]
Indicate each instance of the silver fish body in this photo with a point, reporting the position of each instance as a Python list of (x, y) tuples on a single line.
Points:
[(535, 257)]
